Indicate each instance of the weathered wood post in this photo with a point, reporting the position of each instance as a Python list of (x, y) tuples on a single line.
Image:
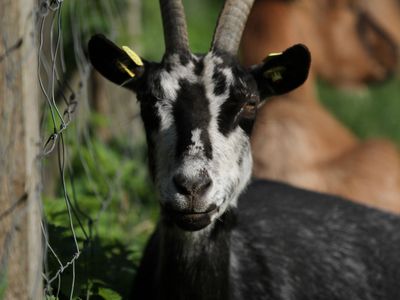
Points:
[(20, 209)]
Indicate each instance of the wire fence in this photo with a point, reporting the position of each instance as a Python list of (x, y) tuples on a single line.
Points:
[(79, 262), (65, 77), (53, 76)]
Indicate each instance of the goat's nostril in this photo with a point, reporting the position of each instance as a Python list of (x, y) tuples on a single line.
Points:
[(182, 185), (204, 184), (192, 186)]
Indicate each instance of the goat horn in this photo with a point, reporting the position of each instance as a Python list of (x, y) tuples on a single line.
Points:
[(174, 24), (230, 25)]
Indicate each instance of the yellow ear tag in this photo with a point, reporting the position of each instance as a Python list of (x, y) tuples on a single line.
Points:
[(126, 69), (136, 59), (275, 74), (275, 54)]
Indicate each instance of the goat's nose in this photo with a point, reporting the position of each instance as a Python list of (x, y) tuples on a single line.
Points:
[(195, 186)]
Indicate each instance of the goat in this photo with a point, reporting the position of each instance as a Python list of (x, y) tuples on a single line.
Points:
[(311, 149), (386, 13), (220, 236)]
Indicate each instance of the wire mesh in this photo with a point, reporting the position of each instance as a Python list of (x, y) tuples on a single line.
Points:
[(65, 123)]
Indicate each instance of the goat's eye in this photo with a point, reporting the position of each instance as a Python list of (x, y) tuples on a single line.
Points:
[(247, 114), (249, 108)]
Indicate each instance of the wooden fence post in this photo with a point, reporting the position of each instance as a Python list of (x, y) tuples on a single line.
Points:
[(20, 209)]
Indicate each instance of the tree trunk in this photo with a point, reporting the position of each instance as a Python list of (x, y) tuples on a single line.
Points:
[(20, 208)]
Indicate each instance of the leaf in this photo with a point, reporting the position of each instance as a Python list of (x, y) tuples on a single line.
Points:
[(3, 285), (109, 294)]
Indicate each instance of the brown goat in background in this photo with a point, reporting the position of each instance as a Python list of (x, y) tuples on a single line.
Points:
[(352, 44)]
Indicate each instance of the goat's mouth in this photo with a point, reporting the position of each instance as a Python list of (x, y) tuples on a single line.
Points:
[(193, 221)]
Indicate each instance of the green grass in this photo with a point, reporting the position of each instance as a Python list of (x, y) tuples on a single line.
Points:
[(374, 112), (3, 283), (201, 16), (112, 237)]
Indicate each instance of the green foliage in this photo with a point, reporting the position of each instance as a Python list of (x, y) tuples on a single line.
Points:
[(3, 283), (201, 17), (103, 268), (109, 294), (111, 194), (81, 19)]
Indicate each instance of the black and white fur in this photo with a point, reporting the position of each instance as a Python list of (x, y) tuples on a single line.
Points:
[(220, 236)]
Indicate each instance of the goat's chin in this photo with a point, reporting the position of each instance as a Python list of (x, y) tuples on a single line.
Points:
[(193, 222), (189, 221)]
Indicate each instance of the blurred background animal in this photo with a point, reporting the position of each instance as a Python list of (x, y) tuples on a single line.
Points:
[(353, 43)]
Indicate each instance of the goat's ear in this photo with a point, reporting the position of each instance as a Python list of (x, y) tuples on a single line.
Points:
[(377, 42), (280, 73), (119, 65)]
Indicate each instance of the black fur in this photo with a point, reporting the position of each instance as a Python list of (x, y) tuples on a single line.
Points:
[(294, 62), (283, 243), (208, 267), (242, 92), (199, 67), (228, 118), (191, 111), (287, 244), (147, 96), (219, 80)]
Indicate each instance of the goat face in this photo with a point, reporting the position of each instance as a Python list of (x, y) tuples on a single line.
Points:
[(200, 147), (198, 113)]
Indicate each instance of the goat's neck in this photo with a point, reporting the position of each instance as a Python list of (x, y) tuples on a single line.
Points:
[(307, 93), (195, 265)]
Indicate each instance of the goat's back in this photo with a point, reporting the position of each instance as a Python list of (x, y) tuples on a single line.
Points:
[(294, 244)]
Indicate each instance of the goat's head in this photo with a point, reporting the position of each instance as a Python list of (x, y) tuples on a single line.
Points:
[(351, 46), (198, 110)]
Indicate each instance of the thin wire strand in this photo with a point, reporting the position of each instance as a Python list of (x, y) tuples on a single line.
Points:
[(52, 69)]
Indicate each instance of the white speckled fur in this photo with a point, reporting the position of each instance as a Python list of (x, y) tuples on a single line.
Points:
[(228, 176)]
